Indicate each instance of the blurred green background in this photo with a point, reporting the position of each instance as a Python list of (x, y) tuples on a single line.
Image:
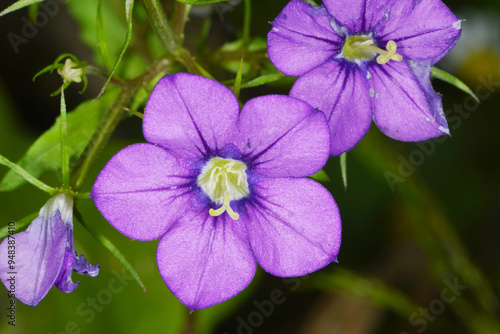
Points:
[(402, 245)]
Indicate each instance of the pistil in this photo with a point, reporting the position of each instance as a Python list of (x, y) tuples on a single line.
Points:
[(362, 47), (223, 181)]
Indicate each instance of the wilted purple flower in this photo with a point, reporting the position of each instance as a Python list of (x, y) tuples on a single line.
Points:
[(44, 255), (363, 59), (223, 189)]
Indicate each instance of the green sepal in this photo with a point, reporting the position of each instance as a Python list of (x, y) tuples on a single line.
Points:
[(263, 80), (343, 168), (18, 5), (111, 248), (23, 175), (237, 81), (44, 154), (452, 80), (320, 176), (57, 65)]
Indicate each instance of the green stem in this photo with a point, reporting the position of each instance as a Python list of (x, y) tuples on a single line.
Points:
[(101, 137), (180, 16), (64, 141), (27, 176), (246, 23), (160, 24)]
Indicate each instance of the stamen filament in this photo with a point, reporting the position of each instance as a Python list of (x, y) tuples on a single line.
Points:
[(225, 207)]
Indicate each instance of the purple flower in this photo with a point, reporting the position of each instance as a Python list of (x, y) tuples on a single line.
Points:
[(43, 255), (363, 59), (223, 189)]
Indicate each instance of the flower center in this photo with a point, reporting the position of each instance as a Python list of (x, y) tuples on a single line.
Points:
[(224, 180), (362, 47)]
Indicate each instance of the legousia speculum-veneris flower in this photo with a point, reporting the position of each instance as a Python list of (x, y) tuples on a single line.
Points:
[(44, 254), (223, 189), (366, 59)]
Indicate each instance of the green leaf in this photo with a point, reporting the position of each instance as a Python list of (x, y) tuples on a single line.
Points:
[(320, 176), (101, 38), (111, 248), (200, 2), (18, 5), (262, 80), (45, 153), (452, 80), (343, 168), (20, 224), (85, 13), (367, 288), (129, 7)]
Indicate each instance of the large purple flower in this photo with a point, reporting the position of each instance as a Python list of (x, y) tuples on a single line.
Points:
[(363, 59), (43, 255), (223, 189)]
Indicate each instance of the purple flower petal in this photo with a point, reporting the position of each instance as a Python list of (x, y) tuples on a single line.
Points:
[(142, 190), (189, 115), (205, 260), (302, 38), (283, 136), (63, 281), (340, 90), (406, 106), (82, 267), (73, 263), (295, 228), (359, 16), (39, 254), (423, 30)]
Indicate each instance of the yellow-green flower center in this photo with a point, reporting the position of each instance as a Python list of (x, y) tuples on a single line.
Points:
[(223, 181), (362, 47)]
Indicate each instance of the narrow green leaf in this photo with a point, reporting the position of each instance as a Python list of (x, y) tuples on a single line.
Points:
[(18, 5), (23, 175), (367, 288), (200, 2), (20, 224), (452, 80), (101, 38), (343, 168), (45, 153), (111, 248), (129, 7), (320, 176), (237, 81), (262, 80)]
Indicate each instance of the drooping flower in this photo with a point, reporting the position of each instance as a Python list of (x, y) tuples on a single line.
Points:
[(223, 189), (44, 255), (363, 59)]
